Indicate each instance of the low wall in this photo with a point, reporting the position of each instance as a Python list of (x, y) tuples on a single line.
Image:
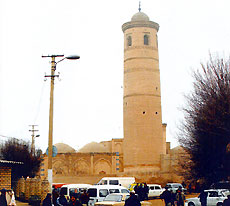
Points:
[(31, 186)]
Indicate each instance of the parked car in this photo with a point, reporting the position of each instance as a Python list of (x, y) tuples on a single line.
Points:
[(175, 186), (70, 189), (113, 199), (97, 193), (118, 199), (214, 198), (155, 190), (122, 181)]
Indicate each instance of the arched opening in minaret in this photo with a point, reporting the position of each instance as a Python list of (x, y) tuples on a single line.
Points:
[(129, 41), (146, 39)]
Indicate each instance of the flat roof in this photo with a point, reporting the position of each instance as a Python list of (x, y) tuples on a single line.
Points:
[(10, 162)]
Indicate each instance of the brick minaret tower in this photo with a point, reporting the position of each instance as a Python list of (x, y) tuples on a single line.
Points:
[(143, 130)]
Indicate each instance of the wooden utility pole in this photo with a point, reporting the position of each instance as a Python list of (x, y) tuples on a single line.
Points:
[(33, 138)]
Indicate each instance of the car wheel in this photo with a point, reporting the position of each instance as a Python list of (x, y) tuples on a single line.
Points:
[(219, 204), (191, 204)]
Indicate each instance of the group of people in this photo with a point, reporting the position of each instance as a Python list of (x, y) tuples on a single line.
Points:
[(7, 198), (60, 200), (170, 198), (142, 191)]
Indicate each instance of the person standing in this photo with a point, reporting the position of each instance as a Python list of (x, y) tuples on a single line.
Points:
[(227, 201), (132, 200), (47, 201), (141, 193), (203, 198), (180, 197), (166, 196), (84, 198), (173, 198), (146, 191), (55, 195), (12, 198), (61, 201), (74, 201), (3, 201)]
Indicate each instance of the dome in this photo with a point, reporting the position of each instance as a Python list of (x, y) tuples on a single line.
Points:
[(64, 148), (93, 147), (177, 150), (140, 16)]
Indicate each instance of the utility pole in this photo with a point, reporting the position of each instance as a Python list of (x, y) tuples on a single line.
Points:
[(50, 138), (33, 137)]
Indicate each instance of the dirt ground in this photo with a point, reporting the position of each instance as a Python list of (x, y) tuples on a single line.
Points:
[(155, 202)]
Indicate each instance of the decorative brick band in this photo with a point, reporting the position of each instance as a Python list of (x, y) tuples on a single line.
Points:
[(140, 69), (128, 59), (133, 24), (133, 95), (141, 47)]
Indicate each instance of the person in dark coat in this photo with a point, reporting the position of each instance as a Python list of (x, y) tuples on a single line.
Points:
[(55, 195), (74, 201), (132, 200), (227, 201), (3, 201), (141, 192), (173, 198), (203, 198), (166, 196), (146, 192), (47, 201), (180, 197), (84, 198), (61, 201)]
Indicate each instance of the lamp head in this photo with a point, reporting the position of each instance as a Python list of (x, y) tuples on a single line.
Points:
[(72, 57)]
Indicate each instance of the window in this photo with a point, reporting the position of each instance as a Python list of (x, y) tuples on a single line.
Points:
[(124, 191), (129, 41), (113, 190), (213, 194), (157, 188), (92, 192), (103, 182), (146, 39), (113, 182), (103, 192)]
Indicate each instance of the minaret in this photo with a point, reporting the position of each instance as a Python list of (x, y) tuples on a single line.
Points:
[(143, 130)]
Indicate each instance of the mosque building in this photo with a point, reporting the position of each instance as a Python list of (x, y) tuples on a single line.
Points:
[(143, 152)]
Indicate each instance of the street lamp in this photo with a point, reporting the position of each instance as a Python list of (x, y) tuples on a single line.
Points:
[(50, 139)]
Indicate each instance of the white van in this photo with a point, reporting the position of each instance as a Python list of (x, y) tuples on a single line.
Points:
[(122, 181), (97, 193), (70, 189), (155, 190)]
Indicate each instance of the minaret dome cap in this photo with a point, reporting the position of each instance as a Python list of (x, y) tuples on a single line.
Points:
[(140, 16)]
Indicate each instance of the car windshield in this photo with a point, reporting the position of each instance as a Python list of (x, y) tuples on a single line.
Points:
[(113, 198)]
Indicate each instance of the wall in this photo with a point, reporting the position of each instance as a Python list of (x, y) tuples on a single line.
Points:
[(31, 186), (5, 177)]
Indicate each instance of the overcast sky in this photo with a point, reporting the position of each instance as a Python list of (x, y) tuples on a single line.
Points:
[(88, 99)]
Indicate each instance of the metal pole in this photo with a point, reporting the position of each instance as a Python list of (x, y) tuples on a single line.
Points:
[(50, 142)]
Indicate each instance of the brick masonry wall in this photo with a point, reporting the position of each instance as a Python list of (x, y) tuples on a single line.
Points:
[(32, 186), (5, 177)]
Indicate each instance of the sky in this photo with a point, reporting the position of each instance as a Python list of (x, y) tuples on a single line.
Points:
[(88, 96)]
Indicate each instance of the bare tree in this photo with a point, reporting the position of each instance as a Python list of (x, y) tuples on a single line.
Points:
[(205, 132), (20, 151)]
